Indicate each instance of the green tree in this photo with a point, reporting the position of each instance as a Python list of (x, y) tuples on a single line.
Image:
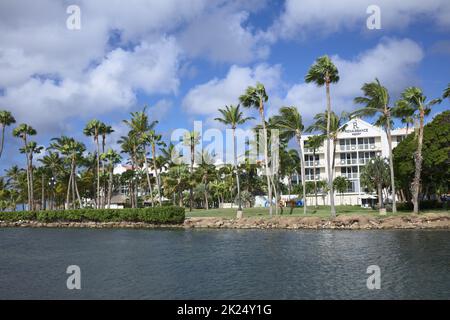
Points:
[(374, 175), (92, 129), (112, 158), (415, 98), (233, 117), (290, 123), (24, 131), (341, 184), (324, 72), (54, 165), (6, 119), (436, 158), (446, 92), (255, 97), (376, 102)]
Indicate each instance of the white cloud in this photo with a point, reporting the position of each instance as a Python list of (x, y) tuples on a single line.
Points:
[(205, 99), (107, 87), (306, 17), (392, 61)]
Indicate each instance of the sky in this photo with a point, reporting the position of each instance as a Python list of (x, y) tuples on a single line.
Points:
[(185, 59)]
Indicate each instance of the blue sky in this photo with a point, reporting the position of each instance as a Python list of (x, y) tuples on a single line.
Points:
[(185, 59)]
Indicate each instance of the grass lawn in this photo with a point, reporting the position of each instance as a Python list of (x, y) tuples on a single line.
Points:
[(322, 211)]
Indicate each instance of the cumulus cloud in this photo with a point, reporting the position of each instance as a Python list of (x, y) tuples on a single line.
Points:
[(392, 61), (306, 17), (150, 68), (204, 99)]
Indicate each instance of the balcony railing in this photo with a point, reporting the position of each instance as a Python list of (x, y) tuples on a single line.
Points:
[(311, 163)]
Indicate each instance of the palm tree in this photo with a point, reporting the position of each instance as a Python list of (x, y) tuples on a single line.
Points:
[(92, 129), (191, 139), (130, 145), (54, 164), (331, 129), (324, 72), (446, 92), (375, 175), (376, 101), (314, 143), (416, 100), (255, 97), (206, 171), (289, 121), (6, 119), (73, 151), (155, 140), (405, 113), (341, 185), (104, 130), (232, 116), (113, 158), (23, 131), (139, 128)]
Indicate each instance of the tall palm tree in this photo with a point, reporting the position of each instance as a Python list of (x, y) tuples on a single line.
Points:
[(290, 123), (324, 72), (415, 98), (92, 129), (376, 101), (139, 127), (54, 164), (23, 131), (314, 143), (73, 152), (113, 158), (191, 139), (6, 119), (341, 185), (233, 117), (104, 131), (155, 140), (130, 145), (255, 97), (330, 128)]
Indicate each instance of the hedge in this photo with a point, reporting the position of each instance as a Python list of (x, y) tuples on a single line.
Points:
[(423, 205), (157, 215)]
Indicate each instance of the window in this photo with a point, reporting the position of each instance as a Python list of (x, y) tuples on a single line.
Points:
[(347, 144), (349, 172), (309, 160), (348, 158), (364, 157), (366, 143), (309, 174)]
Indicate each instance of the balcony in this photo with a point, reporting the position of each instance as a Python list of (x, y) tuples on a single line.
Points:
[(312, 163)]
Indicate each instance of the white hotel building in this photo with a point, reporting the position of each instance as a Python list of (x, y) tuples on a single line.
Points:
[(356, 145)]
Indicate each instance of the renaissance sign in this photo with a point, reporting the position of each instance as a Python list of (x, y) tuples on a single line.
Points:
[(355, 129)]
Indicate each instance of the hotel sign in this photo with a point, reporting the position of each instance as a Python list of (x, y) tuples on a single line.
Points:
[(355, 129)]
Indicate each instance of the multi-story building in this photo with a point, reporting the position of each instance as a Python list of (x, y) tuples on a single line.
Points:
[(356, 145)]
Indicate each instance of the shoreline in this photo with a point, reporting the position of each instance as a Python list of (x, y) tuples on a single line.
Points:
[(344, 222)]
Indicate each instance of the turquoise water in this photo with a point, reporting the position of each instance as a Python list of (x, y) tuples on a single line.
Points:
[(223, 264)]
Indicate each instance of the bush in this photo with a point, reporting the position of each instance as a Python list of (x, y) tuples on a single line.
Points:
[(157, 215), (423, 205)]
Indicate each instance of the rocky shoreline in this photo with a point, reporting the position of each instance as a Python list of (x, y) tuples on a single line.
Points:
[(346, 222)]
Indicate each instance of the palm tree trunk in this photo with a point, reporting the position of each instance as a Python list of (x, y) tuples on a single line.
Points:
[(237, 171), (391, 164), (110, 184), (76, 187), (266, 156), (148, 176), (31, 181), (380, 197), (302, 169), (315, 180), (3, 140), (330, 173), (68, 187), (158, 185), (42, 192), (191, 191), (418, 164)]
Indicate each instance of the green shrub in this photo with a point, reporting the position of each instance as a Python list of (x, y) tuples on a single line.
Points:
[(424, 205), (157, 215)]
